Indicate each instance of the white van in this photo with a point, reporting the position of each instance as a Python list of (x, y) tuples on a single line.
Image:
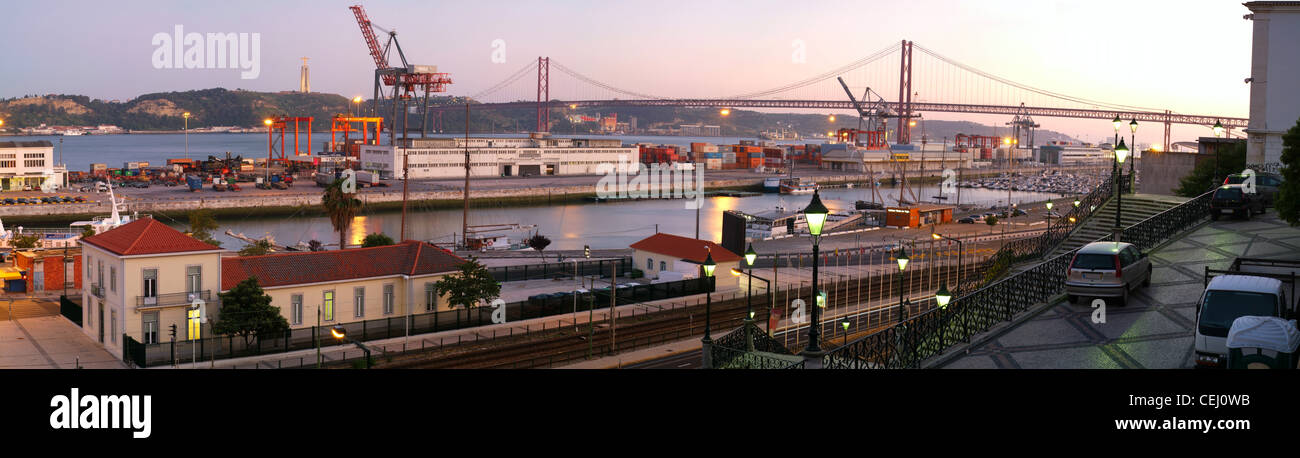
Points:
[(1228, 297)]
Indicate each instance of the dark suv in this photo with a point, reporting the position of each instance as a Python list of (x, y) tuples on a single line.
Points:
[(1266, 185), (1232, 200)]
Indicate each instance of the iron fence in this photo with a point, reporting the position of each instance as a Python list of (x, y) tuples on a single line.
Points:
[(928, 334), (70, 310), (598, 267)]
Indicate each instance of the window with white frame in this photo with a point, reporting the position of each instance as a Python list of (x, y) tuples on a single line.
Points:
[(359, 301), (295, 308), (388, 299)]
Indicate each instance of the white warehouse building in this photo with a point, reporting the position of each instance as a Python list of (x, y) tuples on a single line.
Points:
[(28, 165), (536, 155)]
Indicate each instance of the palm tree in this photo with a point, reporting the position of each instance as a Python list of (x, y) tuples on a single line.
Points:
[(341, 208)]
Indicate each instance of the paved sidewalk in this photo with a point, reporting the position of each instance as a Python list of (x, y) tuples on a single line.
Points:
[(1156, 330), (50, 342)]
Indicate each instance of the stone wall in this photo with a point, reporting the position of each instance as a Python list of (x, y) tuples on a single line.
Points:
[(1161, 172)]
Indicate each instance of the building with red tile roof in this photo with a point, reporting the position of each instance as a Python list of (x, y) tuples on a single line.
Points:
[(673, 257), (348, 285), (409, 258), (146, 236)]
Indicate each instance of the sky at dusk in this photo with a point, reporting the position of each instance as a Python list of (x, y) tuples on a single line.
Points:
[(1187, 56)]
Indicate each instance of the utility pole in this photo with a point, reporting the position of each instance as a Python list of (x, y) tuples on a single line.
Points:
[(406, 179), (613, 317), (464, 225)]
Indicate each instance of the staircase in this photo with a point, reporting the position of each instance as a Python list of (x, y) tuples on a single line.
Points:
[(1137, 207)]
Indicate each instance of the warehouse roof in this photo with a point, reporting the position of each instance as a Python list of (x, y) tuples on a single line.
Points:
[(684, 248), (35, 144)]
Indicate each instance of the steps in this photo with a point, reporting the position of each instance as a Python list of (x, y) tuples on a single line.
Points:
[(1137, 207)]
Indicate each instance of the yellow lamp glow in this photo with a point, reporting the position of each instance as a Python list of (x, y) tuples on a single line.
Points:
[(750, 255), (186, 115), (911, 124), (816, 214), (1117, 123), (266, 121), (902, 260), (724, 111), (942, 297), (832, 118), (709, 265), (1121, 152), (338, 332), (1049, 205), (356, 99)]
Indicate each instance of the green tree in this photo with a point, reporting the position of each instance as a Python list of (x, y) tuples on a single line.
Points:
[(257, 248), (992, 220), (202, 223), (1210, 173), (246, 311), (341, 207), (1288, 195), (539, 242), (87, 231), (376, 239), (26, 241), (472, 285)]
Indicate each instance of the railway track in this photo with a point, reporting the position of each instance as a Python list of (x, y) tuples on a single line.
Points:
[(634, 331)]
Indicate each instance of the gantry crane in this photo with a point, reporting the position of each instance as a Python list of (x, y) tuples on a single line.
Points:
[(406, 80)]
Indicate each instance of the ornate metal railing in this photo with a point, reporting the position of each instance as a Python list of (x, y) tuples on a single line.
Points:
[(730, 351), (729, 358), (97, 291), (1149, 232), (172, 299), (928, 334)]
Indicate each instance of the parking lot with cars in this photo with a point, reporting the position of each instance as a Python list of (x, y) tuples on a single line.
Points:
[(1158, 326)]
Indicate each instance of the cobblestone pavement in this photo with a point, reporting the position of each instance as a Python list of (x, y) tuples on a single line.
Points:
[(1156, 330)]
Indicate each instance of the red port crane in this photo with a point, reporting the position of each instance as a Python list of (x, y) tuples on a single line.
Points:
[(406, 80)]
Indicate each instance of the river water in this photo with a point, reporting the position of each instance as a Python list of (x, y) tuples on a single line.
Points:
[(569, 226)]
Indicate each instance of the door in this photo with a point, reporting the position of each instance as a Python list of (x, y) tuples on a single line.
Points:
[(507, 170), (100, 307)]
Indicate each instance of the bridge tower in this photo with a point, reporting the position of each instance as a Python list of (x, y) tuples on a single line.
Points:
[(543, 94), (905, 94)]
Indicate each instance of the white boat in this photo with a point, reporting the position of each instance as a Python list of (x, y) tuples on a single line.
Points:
[(772, 184), (797, 186), (113, 220)]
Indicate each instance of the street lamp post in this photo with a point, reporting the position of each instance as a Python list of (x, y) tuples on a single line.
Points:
[(1121, 152), (356, 103), (187, 134), (341, 334), (1218, 133), (1133, 143), (707, 276), (845, 323), (961, 253), (902, 266), (750, 255), (815, 214), (1049, 215)]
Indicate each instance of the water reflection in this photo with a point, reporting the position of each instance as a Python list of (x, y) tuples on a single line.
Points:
[(606, 225)]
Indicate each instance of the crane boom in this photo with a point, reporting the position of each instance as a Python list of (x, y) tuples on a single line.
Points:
[(369, 34)]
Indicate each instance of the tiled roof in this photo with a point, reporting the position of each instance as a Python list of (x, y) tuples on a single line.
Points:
[(146, 236), (684, 248), (410, 257)]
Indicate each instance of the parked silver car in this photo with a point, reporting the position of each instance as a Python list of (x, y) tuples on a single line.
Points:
[(1108, 270)]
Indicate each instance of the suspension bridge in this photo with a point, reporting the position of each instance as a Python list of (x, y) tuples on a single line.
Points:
[(924, 81)]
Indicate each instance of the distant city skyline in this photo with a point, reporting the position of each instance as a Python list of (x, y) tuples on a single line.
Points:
[(1190, 57)]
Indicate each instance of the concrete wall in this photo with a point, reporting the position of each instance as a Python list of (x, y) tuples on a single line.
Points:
[(1161, 172), (1274, 88)]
